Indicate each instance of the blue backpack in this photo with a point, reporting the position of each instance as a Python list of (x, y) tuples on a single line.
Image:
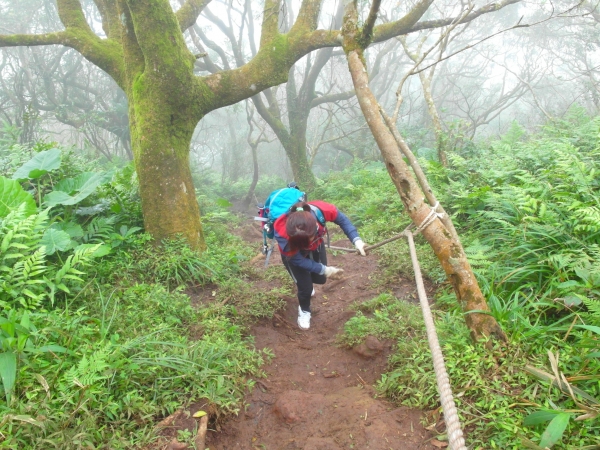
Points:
[(279, 202)]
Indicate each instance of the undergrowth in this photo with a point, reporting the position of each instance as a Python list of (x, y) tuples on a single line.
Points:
[(98, 342), (530, 226)]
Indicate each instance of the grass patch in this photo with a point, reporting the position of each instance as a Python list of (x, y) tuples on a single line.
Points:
[(384, 317)]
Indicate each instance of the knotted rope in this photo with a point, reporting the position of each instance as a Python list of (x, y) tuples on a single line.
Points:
[(455, 434), (433, 214)]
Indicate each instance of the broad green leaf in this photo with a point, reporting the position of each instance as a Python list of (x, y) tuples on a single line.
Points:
[(572, 300), (555, 430), (84, 184), (12, 196), (71, 228), (539, 417), (55, 240), (569, 284), (8, 372), (582, 273), (73, 185), (57, 198), (40, 164)]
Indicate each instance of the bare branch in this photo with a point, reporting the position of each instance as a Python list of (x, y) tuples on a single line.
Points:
[(490, 7)]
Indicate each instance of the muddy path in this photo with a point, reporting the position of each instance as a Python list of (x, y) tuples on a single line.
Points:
[(317, 395)]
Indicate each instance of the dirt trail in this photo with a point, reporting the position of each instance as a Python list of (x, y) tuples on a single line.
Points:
[(318, 396)]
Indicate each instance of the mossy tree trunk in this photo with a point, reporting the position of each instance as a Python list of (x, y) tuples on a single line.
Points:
[(145, 53), (161, 145), (164, 107), (448, 250)]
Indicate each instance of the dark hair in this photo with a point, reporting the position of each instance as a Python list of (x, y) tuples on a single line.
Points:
[(301, 226)]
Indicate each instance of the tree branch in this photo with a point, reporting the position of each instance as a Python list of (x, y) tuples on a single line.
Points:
[(189, 12), (270, 24), (227, 31), (386, 31), (490, 7), (308, 17), (367, 31), (332, 98), (213, 46), (275, 123)]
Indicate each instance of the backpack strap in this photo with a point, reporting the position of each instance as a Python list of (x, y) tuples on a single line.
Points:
[(319, 214), (321, 219)]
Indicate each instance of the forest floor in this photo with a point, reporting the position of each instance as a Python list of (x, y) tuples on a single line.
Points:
[(318, 395)]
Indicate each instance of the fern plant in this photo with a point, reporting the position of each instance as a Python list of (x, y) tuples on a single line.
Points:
[(28, 278)]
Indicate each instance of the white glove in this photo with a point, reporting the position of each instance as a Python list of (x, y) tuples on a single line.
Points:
[(360, 246), (333, 272)]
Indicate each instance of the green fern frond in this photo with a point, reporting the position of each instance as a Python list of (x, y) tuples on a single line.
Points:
[(99, 229), (90, 369), (592, 316)]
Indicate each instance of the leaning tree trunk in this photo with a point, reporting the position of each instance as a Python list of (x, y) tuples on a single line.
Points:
[(448, 251), (164, 108)]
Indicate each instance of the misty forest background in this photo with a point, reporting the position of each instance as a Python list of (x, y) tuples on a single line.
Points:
[(98, 339)]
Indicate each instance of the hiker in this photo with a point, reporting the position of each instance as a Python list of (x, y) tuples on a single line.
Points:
[(300, 238)]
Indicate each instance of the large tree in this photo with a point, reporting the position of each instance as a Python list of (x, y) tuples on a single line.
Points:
[(145, 53)]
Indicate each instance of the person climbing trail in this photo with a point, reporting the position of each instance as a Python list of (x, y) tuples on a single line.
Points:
[(300, 238)]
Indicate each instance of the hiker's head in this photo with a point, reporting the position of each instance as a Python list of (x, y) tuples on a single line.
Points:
[(301, 226)]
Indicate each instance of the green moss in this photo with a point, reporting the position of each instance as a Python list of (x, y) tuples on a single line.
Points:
[(279, 51)]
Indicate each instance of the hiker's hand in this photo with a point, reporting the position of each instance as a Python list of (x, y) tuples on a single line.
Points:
[(333, 272), (360, 246)]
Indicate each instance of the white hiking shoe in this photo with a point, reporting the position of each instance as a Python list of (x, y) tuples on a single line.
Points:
[(303, 319)]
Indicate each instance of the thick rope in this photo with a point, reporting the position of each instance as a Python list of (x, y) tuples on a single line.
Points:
[(455, 434), (433, 214)]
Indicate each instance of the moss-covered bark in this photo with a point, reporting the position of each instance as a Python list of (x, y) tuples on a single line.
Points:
[(161, 136), (296, 152), (146, 55), (165, 103)]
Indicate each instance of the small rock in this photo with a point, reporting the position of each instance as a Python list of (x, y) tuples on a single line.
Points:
[(370, 348)]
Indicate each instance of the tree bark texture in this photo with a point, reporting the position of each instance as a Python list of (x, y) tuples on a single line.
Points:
[(448, 251), (145, 53)]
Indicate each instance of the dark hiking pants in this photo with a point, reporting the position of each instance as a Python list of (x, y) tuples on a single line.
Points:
[(305, 279)]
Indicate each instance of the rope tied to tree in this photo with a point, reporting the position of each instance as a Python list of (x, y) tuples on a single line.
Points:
[(433, 214), (455, 435)]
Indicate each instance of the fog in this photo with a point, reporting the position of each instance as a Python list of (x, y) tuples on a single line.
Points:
[(529, 63)]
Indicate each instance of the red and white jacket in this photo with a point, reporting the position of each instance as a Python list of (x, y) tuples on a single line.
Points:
[(301, 258)]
